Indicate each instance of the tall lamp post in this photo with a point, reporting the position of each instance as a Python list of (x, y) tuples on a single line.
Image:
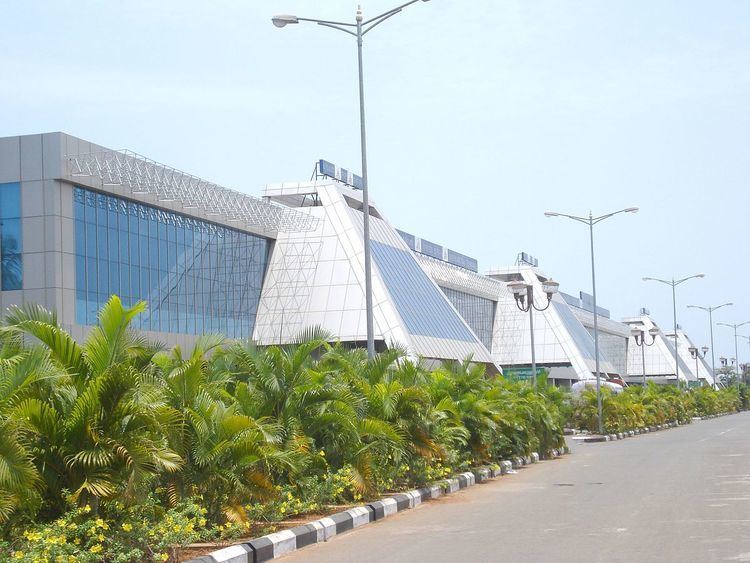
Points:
[(524, 295), (358, 29), (674, 283), (736, 350), (639, 335), (710, 310), (591, 221), (697, 356)]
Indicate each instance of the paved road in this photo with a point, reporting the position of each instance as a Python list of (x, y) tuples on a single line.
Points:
[(677, 495)]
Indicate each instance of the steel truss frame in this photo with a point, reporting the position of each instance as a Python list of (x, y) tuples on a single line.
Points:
[(143, 176)]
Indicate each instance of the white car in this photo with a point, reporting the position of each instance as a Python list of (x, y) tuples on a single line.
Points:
[(578, 387)]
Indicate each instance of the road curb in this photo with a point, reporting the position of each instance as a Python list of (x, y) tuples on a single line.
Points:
[(646, 430), (282, 542)]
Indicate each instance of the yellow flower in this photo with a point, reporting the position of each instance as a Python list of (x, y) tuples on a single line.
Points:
[(202, 521), (96, 548), (177, 528), (322, 453), (101, 537), (87, 509), (72, 526), (77, 541), (164, 556), (18, 554), (127, 527), (99, 523)]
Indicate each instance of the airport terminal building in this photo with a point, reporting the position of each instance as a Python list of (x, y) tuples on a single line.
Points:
[(80, 222)]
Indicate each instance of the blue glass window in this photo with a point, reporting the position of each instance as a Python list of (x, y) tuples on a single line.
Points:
[(478, 312), (581, 337), (432, 249), (11, 258), (410, 240), (189, 271), (462, 261), (423, 308)]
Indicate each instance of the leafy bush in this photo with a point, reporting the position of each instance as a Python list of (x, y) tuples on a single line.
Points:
[(115, 450), (140, 533), (638, 407)]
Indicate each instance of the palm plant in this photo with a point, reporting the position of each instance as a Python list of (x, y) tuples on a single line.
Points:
[(228, 454), (99, 430), (23, 373)]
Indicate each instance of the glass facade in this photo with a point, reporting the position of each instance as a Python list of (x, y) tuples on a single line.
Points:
[(11, 259), (462, 261), (197, 277), (581, 337), (478, 312), (421, 305), (431, 249), (614, 348)]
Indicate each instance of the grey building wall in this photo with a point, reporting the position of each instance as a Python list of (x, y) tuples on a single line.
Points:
[(39, 163)]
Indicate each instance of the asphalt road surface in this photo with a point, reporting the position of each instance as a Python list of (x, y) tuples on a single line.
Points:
[(676, 495)]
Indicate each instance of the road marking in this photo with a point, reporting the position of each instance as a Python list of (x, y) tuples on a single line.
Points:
[(719, 434)]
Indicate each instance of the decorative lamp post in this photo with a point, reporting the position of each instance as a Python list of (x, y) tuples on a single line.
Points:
[(524, 296), (674, 283), (358, 29), (591, 221), (639, 335), (697, 356)]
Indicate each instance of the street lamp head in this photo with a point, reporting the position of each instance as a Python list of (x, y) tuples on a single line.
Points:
[(654, 332), (518, 288), (704, 350), (631, 210), (636, 332), (550, 287), (693, 351), (699, 276), (284, 19), (551, 214)]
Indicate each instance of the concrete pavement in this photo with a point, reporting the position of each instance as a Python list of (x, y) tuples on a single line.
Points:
[(677, 495)]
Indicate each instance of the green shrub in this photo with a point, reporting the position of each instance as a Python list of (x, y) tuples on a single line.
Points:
[(638, 407), (116, 450)]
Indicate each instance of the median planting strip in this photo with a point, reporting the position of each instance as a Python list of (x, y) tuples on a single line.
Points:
[(638, 431), (277, 544)]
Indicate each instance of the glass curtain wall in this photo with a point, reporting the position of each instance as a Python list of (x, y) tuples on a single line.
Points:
[(197, 277), (422, 306), (478, 312), (11, 260)]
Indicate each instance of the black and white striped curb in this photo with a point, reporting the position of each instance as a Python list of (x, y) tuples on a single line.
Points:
[(277, 544), (645, 430)]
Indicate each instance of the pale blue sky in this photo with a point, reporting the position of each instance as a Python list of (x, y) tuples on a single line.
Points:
[(481, 115)]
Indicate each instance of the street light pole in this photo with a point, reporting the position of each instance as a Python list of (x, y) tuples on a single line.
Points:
[(710, 310), (674, 283), (736, 350), (524, 296), (591, 221), (360, 29)]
